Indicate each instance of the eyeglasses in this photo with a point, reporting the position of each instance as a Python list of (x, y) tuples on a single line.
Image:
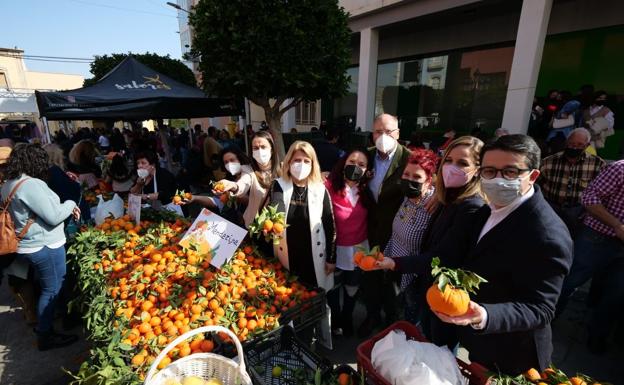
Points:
[(509, 173), (387, 132)]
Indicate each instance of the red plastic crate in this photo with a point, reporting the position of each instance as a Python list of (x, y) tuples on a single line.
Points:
[(475, 373)]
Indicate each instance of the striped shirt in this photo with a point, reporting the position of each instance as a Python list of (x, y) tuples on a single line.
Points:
[(607, 189), (408, 228), (563, 182)]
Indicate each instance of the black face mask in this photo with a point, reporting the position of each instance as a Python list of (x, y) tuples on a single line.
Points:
[(573, 153), (411, 189), (353, 172), (600, 102)]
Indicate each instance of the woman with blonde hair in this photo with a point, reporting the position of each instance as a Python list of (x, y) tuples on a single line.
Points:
[(458, 191), (55, 153), (308, 248), (82, 163)]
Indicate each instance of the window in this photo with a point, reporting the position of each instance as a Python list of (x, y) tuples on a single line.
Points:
[(3, 81), (305, 114), (434, 82)]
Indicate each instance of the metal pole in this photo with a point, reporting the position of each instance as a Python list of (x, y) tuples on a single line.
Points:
[(47, 129)]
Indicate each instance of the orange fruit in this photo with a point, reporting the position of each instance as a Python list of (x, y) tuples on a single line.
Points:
[(206, 346), (138, 360), (164, 362), (177, 199), (344, 379), (367, 262), (267, 225), (278, 228), (577, 381), (532, 374)]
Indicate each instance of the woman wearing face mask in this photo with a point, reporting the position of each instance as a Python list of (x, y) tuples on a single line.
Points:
[(411, 221), (236, 166), (348, 189), (308, 248), (156, 185), (459, 193), (255, 182)]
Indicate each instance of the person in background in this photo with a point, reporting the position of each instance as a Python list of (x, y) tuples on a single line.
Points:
[(211, 150), (236, 166), (38, 216), (565, 175), (266, 169), (104, 141), (120, 175), (599, 119), (156, 185), (459, 194), (348, 189), (411, 222), (389, 160), (308, 247), (82, 163), (599, 248), (328, 151)]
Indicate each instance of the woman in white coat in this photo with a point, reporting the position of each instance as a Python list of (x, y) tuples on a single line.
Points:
[(308, 248)]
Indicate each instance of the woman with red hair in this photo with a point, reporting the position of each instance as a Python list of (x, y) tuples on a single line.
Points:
[(411, 221)]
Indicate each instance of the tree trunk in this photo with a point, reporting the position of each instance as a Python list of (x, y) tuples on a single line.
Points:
[(273, 118)]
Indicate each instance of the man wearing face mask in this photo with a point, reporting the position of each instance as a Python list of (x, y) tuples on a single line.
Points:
[(389, 160), (524, 250), (565, 175)]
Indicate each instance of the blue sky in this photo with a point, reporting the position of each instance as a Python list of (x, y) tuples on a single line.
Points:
[(84, 28)]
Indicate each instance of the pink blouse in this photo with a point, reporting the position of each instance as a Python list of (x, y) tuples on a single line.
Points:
[(351, 221)]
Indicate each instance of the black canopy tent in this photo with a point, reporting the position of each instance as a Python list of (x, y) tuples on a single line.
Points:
[(133, 91)]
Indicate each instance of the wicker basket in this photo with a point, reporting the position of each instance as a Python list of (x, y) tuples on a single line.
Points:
[(203, 365)]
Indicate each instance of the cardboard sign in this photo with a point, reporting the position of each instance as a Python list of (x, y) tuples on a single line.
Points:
[(214, 237), (134, 207)]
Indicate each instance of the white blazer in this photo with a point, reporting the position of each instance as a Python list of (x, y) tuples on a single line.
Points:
[(316, 193)]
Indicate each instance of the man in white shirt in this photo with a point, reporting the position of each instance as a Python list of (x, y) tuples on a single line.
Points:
[(524, 250)]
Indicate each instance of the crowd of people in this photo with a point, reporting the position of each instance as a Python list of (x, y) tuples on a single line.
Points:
[(536, 229)]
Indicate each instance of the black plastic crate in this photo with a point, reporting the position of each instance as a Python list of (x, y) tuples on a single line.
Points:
[(307, 312), (282, 348)]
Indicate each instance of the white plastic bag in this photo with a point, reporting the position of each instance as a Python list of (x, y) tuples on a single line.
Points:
[(404, 362), (105, 209)]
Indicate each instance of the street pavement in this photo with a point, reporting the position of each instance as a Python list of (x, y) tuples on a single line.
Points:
[(22, 364)]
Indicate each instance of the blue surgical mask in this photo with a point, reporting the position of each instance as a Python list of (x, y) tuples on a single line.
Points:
[(500, 191)]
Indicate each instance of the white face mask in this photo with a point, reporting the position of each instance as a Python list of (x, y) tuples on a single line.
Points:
[(300, 170), (502, 192), (142, 173), (262, 156), (385, 143), (233, 168)]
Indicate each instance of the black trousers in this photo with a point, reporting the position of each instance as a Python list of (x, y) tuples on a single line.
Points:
[(378, 292)]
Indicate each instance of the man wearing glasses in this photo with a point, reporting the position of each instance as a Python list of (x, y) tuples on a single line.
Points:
[(389, 159), (524, 250)]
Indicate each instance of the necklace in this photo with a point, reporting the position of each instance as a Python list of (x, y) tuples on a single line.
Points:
[(299, 196)]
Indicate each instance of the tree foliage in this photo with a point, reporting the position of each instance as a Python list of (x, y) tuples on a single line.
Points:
[(272, 50), (166, 65)]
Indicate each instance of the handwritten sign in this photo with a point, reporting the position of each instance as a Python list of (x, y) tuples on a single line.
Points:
[(134, 207), (213, 237)]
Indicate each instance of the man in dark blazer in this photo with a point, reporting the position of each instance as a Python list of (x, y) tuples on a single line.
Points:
[(524, 250), (389, 159)]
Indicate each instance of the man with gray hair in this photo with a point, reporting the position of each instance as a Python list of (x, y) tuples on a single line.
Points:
[(566, 174)]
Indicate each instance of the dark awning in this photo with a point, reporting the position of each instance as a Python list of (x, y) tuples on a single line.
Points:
[(133, 91)]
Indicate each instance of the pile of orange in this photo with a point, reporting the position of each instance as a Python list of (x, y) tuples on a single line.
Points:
[(161, 291)]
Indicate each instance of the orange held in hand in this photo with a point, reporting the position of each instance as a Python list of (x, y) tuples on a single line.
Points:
[(449, 294), (367, 260), (181, 197)]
